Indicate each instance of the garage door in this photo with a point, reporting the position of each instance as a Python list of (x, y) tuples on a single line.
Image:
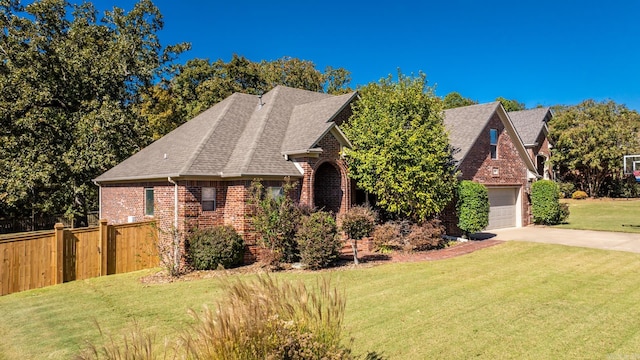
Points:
[(502, 208)]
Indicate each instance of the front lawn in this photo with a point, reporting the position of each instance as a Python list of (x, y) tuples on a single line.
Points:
[(514, 300), (621, 215)]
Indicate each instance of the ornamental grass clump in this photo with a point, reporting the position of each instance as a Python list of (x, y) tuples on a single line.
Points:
[(267, 319)]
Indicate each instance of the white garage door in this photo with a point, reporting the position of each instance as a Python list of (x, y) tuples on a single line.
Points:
[(502, 207)]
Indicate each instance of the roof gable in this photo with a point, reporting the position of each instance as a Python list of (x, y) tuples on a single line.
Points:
[(530, 123), (466, 124)]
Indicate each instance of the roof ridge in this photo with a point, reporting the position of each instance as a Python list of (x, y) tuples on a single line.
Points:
[(254, 144), (207, 136)]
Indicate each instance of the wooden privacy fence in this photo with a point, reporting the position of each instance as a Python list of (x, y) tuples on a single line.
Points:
[(34, 260)]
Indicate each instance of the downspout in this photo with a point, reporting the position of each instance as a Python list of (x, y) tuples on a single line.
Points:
[(99, 199), (175, 202)]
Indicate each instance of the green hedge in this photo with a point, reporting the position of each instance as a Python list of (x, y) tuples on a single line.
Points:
[(217, 246), (472, 207), (545, 203)]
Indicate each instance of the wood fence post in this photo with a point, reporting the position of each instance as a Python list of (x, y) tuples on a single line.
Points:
[(104, 251), (59, 253)]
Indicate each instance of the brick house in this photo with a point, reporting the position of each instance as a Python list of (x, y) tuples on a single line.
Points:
[(532, 126), (200, 174), (488, 149)]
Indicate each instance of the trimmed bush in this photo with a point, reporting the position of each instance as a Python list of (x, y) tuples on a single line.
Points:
[(318, 240), (386, 236), (218, 246), (545, 203), (472, 207), (358, 222), (426, 236), (579, 195)]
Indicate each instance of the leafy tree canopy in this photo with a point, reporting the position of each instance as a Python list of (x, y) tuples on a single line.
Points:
[(401, 149), (454, 100), (69, 78), (591, 139), (199, 84), (511, 105)]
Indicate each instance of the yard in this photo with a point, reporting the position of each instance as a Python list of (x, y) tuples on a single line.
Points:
[(514, 300), (622, 215)]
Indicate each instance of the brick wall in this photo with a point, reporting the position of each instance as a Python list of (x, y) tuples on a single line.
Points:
[(310, 186), (508, 169)]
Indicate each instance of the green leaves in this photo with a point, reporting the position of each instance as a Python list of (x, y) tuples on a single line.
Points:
[(590, 140), (69, 80), (472, 207), (401, 150)]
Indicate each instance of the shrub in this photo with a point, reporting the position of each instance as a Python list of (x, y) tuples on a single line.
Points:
[(318, 240), (566, 189), (275, 221), (358, 222), (386, 236), (425, 236), (218, 246), (579, 195), (545, 203), (472, 207)]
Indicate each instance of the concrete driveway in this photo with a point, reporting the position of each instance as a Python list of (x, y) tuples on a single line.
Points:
[(583, 238)]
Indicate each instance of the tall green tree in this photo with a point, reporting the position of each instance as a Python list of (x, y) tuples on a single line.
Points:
[(401, 150), (590, 140), (69, 79), (199, 84), (511, 105), (455, 100)]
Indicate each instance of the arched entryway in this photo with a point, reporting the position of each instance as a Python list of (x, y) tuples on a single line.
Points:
[(541, 161), (327, 188)]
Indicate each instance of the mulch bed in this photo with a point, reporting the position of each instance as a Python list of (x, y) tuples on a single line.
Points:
[(366, 259)]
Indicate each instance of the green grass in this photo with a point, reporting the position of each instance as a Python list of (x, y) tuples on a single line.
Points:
[(604, 214), (516, 300)]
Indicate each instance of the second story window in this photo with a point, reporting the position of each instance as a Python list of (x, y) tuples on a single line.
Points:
[(493, 133)]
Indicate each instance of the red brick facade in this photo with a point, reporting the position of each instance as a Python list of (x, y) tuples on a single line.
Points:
[(120, 201), (507, 170), (539, 152)]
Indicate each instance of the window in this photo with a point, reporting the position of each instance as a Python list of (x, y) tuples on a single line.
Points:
[(148, 201), (208, 199), (274, 192), (494, 143)]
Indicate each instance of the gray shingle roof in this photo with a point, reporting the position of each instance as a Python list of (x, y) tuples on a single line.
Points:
[(530, 123), (237, 137), (465, 124)]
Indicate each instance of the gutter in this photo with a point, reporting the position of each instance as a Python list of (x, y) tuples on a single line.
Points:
[(175, 202)]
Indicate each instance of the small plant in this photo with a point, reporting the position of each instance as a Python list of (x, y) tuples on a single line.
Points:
[(358, 222), (214, 247), (170, 250), (566, 189), (275, 221), (545, 203), (579, 195), (386, 236), (426, 236), (472, 207), (318, 240)]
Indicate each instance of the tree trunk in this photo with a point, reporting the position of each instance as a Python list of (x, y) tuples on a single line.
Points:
[(354, 246)]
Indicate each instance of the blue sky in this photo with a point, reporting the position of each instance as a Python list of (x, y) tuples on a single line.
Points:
[(537, 52)]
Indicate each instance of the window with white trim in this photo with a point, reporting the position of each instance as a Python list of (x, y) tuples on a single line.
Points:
[(493, 134), (208, 199), (148, 201)]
